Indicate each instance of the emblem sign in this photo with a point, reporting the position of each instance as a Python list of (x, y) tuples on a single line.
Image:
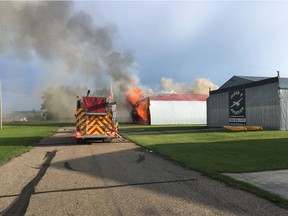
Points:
[(237, 110)]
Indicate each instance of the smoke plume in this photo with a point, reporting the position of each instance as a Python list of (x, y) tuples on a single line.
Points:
[(70, 43), (74, 50), (201, 86)]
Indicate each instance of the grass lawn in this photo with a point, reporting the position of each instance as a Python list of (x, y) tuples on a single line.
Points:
[(16, 139), (216, 152)]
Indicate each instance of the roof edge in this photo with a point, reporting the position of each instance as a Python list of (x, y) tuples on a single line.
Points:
[(180, 97), (248, 85)]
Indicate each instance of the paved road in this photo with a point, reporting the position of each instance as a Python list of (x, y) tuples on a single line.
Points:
[(117, 178)]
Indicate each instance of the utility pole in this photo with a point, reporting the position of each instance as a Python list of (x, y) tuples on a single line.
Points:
[(1, 115)]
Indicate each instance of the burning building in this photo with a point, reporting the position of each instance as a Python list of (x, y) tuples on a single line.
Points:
[(170, 109), (188, 106)]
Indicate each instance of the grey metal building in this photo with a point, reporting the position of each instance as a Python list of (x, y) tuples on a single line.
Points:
[(250, 101)]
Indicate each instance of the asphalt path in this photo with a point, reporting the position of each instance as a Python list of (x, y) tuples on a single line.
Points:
[(58, 177)]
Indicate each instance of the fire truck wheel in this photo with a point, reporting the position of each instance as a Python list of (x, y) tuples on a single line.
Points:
[(79, 141), (107, 140)]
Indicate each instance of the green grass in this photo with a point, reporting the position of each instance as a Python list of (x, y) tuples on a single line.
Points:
[(161, 128), (219, 151), (222, 151), (16, 139)]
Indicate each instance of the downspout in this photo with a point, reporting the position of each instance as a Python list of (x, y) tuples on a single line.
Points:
[(279, 103)]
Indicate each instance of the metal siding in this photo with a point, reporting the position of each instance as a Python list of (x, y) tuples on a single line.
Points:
[(283, 94), (217, 110), (262, 106)]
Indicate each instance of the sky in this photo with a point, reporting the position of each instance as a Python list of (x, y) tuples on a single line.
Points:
[(181, 40)]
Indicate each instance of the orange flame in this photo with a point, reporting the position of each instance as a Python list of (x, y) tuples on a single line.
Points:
[(134, 96), (142, 109)]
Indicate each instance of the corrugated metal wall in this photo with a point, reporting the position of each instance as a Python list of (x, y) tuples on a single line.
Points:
[(283, 95), (217, 110), (262, 107)]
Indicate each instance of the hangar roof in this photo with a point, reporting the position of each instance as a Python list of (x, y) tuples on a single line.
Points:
[(250, 81), (240, 80), (252, 78), (179, 97)]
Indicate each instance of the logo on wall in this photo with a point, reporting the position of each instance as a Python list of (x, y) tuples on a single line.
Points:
[(237, 110)]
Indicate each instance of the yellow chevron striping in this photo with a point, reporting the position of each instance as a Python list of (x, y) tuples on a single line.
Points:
[(93, 124)]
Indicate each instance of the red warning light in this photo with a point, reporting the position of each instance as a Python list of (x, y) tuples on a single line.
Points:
[(78, 134)]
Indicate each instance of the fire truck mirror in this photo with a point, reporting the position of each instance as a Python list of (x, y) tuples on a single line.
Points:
[(79, 104)]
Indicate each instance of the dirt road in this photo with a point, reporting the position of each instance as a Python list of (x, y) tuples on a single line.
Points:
[(118, 178)]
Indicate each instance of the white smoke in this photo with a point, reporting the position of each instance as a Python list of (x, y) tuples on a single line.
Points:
[(201, 86)]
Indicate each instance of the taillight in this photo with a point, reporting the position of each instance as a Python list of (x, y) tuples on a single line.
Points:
[(78, 134)]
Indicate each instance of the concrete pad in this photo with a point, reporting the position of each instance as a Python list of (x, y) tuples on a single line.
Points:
[(275, 182)]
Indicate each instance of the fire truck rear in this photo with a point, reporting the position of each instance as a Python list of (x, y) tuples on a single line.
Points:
[(96, 119)]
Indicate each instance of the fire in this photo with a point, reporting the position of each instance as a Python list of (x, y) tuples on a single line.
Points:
[(140, 106), (142, 109), (134, 95)]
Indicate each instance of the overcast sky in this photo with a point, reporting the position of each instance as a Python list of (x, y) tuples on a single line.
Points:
[(189, 40), (184, 41)]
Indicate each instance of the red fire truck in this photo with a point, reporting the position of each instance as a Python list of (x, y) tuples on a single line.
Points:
[(95, 119)]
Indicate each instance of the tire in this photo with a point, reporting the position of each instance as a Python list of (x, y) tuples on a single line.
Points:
[(107, 140), (79, 141)]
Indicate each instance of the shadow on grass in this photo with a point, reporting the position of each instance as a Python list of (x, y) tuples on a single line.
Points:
[(228, 156), (20, 141), (153, 131), (40, 123), (37, 141), (152, 128)]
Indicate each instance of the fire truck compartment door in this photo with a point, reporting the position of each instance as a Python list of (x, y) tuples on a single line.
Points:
[(94, 105)]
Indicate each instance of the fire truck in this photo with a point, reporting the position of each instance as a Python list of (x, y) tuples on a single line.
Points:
[(95, 119)]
